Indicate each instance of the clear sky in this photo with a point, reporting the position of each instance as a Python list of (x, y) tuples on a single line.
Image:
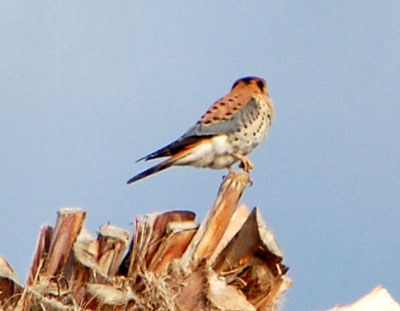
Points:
[(87, 87)]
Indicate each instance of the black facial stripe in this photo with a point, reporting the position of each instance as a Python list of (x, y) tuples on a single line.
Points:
[(260, 85)]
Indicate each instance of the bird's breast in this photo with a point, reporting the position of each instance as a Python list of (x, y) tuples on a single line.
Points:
[(253, 129)]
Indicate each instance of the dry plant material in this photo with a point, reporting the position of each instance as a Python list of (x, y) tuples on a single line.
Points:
[(232, 261), (10, 288)]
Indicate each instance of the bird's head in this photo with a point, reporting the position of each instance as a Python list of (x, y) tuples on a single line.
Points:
[(255, 84)]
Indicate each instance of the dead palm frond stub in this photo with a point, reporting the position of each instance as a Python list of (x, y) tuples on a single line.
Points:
[(231, 261)]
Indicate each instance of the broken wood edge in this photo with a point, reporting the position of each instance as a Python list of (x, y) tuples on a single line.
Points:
[(240, 245), (42, 247), (254, 256), (113, 242), (68, 225), (217, 220), (8, 273), (86, 249), (163, 224), (171, 248), (140, 244), (238, 219), (10, 287)]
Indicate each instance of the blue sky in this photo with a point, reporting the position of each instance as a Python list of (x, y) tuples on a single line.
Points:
[(89, 87)]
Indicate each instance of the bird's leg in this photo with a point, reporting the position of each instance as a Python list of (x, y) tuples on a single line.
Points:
[(245, 164)]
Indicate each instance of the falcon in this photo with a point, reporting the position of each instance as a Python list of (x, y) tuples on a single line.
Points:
[(229, 130)]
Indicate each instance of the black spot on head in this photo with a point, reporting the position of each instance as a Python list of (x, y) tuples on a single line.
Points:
[(222, 103), (246, 80), (215, 108), (230, 100), (261, 85), (216, 118), (228, 114), (235, 108)]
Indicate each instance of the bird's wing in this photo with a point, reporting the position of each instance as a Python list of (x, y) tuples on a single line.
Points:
[(221, 120), (223, 117)]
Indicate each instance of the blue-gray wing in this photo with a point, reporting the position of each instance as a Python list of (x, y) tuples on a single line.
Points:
[(224, 124), (221, 125)]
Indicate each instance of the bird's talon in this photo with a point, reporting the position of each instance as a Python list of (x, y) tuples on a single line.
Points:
[(246, 166)]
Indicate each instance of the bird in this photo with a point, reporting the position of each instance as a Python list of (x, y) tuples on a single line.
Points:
[(225, 134)]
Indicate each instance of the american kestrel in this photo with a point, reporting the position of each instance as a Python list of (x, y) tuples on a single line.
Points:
[(230, 129)]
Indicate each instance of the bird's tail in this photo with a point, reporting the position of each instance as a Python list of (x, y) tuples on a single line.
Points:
[(165, 164), (152, 170)]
